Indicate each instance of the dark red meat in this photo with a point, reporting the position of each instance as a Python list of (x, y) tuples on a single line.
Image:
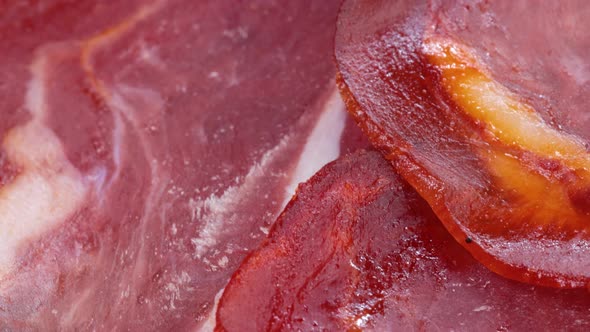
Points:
[(482, 107), (147, 146), (358, 249)]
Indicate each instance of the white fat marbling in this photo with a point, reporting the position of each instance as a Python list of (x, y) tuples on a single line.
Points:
[(210, 322), (323, 145), (48, 188), (216, 211)]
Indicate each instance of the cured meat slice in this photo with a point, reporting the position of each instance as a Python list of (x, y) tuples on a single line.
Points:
[(358, 249), (482, 107), (146, 147)]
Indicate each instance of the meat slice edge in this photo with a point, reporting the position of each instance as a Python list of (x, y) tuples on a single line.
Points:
[(473, 120), (358, 249)]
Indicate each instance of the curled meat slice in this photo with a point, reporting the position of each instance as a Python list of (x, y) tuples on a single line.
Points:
[(482, 107), (358, 249)]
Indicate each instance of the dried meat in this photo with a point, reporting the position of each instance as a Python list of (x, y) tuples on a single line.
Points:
[(359, 249), (482, 107)]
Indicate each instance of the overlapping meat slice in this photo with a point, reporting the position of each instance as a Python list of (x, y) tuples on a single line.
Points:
[(359, 249), (146, 147), (482, 107)]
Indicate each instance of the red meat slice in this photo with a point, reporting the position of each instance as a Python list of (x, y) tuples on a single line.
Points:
[(358, 249), (146, 147), (482, 107)]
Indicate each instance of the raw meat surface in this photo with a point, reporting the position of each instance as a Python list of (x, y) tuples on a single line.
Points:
[(482, 107), (147, 147), (358, 249)]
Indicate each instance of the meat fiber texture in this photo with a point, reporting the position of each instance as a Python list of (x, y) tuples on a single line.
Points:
[(358, 249), (483, 108), (147, 147)]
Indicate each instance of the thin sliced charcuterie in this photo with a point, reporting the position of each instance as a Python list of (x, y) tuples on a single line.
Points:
[(359, 249), (145, 149), (482, 107)]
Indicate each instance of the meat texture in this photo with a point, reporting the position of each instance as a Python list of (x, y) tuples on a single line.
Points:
[(358, 249), (147, 147), (482, 107)]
